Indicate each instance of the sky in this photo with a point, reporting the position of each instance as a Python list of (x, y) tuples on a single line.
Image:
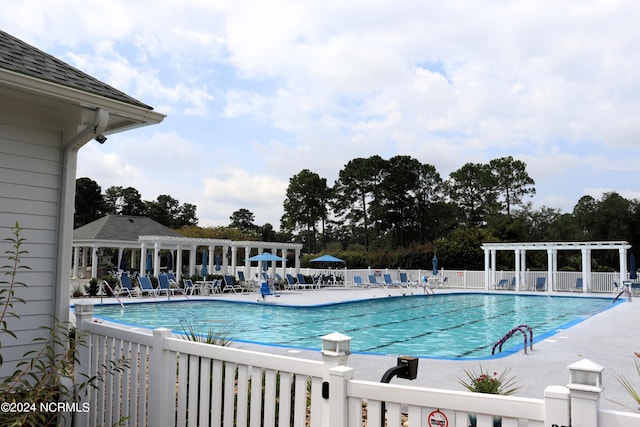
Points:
[(257, 90)]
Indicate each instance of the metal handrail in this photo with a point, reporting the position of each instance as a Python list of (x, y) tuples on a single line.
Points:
[(520, 328)]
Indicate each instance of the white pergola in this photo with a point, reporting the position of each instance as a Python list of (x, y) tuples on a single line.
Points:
[(177, 245), (552, 248)]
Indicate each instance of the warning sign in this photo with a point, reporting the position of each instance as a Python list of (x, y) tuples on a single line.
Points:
[(438, 419)]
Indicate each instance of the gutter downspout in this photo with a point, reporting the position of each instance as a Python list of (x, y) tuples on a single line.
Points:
[(66, 212)]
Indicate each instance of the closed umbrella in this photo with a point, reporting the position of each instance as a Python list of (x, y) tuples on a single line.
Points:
[(149, 261), (633, 275), (204, 271), (123, 262), (170, 261), (434, 262), (217, 262)]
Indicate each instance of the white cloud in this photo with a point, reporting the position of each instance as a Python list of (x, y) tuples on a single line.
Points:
[(257, 90)]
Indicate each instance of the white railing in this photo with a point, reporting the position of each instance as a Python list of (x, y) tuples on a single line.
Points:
[(174, 382)]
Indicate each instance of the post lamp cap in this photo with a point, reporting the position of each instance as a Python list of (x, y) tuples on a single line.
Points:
[(586, 365), (336, 336)]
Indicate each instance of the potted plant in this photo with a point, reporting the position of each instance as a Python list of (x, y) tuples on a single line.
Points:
[(491, 383)]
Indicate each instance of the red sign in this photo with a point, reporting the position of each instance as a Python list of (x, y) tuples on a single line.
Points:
[(437, 419)]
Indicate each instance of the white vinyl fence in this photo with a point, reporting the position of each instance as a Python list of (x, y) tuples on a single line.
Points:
[(173, 382)]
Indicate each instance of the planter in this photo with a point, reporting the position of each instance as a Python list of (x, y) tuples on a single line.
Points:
[(497, 421)]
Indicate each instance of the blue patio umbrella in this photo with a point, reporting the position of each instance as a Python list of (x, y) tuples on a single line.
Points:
[(326, 258), (217, 262), (149, 261), (266, 256), (434, 262), (170, 261), (633, 275), (204, 270)]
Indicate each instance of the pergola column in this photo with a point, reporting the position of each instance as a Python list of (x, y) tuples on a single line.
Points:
[(94, 262), (192, 260), (586, 269), (297, 262), (623, 264), (234, 259), (76, 259), (247, 263), (284, 252), (518, 261), (225, 261), (551, 268), (493, 268), (487, 267)]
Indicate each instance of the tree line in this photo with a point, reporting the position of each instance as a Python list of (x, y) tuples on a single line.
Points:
[(91, 204), (399, 212)]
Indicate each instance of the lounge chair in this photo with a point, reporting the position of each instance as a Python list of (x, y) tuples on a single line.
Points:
[(265, 290), (502, 284), (164, 286), (302, 283), (578, 286), (388, 281), (541, 284), (230, 285), (357, 280), (126, 288), (373, 281), (512, 285), (404, 280), (291, 282), (146, 287)]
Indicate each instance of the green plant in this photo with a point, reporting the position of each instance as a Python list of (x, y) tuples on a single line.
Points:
[(93, 288), (635, 394), (77, 290), (489, 382), (40, 377), (215, 336)]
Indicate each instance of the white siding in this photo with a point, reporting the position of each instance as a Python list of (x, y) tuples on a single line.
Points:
[(30, 176)]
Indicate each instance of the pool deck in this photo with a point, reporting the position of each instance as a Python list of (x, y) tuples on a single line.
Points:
[(609, 339)]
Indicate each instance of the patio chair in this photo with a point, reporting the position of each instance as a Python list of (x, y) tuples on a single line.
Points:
[(512, 285), (189, 287), (302, 283), (357, 280), (404, 280), (541, 284), (291, 282), (578, 286), (146, 287), (164, 286), (230, 285), (126, 288), (502, 284), (265, 290), (388, 281), (373, 281)]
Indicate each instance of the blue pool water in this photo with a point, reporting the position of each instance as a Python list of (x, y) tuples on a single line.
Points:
[(441, 326)]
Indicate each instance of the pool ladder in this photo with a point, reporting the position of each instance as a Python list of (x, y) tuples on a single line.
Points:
[(520, 328)]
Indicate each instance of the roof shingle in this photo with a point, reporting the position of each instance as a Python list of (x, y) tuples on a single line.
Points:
[(22, 58), (121, 227)]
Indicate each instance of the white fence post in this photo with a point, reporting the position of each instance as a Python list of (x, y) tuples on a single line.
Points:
[(557, 411), (338, 403), (585, 388), (162, 380), (82, 369), (336, 349)]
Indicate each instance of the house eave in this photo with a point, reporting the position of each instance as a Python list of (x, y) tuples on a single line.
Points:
[(124, 116)]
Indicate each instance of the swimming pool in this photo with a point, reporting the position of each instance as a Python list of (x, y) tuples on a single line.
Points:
[(452, 326)]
